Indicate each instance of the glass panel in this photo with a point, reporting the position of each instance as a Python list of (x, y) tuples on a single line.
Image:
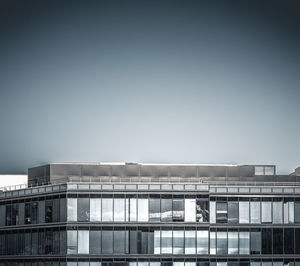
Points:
[(221, 212), (244, 242), (277, 212), (277, 240), (83, 242), (233, 242), (297, 212), (289, 241), (221, 242), (190, 242), (133, 209), (178, 210), (255, 242), (266, 240), (255, 212), (202, 242), (213, 243), (72, 242), (143, 210), (178, 242), (244, 212), (166, 242), (95, 242), (266, 212), (202, 210), (107, 210), (119, 210), (190, 210), (156, 242), (107, 242), (233, 212), (154, 210), (119, 242), (83, 210), (72, 209), (95, 210), (166, 210), (291, 213), (212, 212)]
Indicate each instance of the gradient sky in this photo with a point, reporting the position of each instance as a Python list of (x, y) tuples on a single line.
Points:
[(149, 81)]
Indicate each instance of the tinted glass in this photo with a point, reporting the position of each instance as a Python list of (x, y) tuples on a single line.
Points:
[(266, 216), (244, 242), (202, 213), (95, 242), (178, 210), (166, 210), (83, 242), (190, 242), (154, 209), (243, 212), (221, 242), (221, 212), (72, 242), (72, 209), (277, 212), (233, 212), (233, 242), (178, 242), (255, 245), (202, 242), (107, 242), (83, 209)]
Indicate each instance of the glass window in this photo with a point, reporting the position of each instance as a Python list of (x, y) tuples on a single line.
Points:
[(255, 212), (255, 242), (212, 212), (244, 242), (166, 242), (202, 242), (133, 209), (291, 213), (178, 210), (277, 212), (48, 211), (72, 209), (156, 242), (277, 241), (286, 211), (143, 210), (2, 215), (72, 242), (190, 242), (107, 210), (190, 210), (233, 212), (266, 216), (221, 242), (221, 212), (178, 242), (297, 212), (83, 209), (119, 242), (166, 210), (154, 209), (95, 209), (233, 243), (83, 242), (289, 241), (107, 242), (202, 210), (31, 213), (119, 209), (243, 212), (269, 170), (266, 238), (212, 243), (95, 242)]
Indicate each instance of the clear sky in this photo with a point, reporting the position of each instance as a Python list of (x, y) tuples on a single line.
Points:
[(149, 81)]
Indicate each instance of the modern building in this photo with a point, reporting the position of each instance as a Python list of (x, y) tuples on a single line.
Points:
[(105, 214)]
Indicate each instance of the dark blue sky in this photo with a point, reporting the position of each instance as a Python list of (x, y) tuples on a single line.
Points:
[(149, 81)]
